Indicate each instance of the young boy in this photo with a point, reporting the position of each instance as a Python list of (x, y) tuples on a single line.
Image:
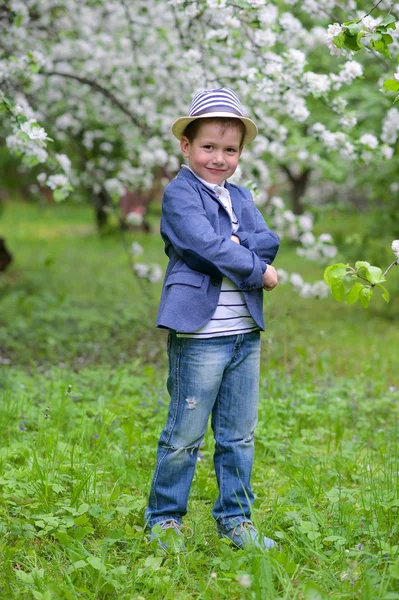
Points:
[(220, 253)]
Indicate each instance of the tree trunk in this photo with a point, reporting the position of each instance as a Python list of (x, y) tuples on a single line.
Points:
[(100, 203), (299, 184), (5, 256)]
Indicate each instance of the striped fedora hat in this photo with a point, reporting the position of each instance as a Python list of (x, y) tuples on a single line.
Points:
[(220, 102)]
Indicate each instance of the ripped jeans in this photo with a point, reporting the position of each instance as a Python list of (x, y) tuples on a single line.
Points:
[(219, 377)]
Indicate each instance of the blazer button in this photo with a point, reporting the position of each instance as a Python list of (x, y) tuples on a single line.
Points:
[(215, 282)]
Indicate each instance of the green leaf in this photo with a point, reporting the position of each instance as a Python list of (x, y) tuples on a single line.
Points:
[(374, 275), (382, 48), (394, 571), (83, 508), (333, 272), (312, 592), (82, 520), (390, 85), (387, 20), (95, 510), (365, 296), (80, 564), (351, 42), (385, 293), (353, 294), (353, 27), (341, 541), (97, 564), (339, 40), (338, 290), (388, 39), (153, 562)]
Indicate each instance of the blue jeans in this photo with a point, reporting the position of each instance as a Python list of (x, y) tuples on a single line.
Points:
[(218, 376)]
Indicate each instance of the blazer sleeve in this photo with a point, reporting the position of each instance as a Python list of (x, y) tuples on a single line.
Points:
[(262, 241), (186, 226)]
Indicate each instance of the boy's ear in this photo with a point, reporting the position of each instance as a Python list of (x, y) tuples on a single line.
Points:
[(185, 146)]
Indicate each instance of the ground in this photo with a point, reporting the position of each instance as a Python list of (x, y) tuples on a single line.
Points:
[(83, 398)]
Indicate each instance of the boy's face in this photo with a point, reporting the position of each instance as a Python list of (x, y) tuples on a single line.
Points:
[(213, 155)]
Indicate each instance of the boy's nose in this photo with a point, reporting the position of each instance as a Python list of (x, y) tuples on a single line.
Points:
[(218, 158)]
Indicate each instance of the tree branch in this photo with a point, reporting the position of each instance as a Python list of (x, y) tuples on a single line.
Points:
[(102, 90), (370, 11)]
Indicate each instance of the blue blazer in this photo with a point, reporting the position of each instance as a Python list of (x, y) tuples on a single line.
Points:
[(196, 229)]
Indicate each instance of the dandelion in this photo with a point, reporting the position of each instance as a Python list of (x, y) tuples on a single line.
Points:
[(245, 581)]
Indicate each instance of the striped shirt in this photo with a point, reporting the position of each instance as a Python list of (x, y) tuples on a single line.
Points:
[(231, 316)]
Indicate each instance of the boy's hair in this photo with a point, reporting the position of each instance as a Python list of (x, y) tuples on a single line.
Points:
[(192, 129)]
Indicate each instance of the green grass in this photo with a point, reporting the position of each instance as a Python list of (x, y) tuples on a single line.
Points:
[(83, 400)]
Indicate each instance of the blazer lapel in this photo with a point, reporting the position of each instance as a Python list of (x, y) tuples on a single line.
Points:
[(235, 201)]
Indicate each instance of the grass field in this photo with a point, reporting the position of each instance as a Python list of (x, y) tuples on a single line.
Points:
[(83, 400)]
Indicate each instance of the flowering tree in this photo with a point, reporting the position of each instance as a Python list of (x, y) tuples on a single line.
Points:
[(106, 79)]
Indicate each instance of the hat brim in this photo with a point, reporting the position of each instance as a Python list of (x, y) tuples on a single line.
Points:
[(251, 131)]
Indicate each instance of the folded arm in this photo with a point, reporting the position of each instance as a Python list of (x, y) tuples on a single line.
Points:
[(185, 225), (262, 241)]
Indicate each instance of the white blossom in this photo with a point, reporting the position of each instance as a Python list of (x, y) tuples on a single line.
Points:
[(283, 276), (305, 222), (387, 152), (137, 249), (134, 218), (368, 139), (155, 273), (141, 269), (64, 162), (114, 187), (307, 239), (33, 130), (395, 248), (42, 178), (57, 181), (326, 237), (296, 280), (278, 203), (332, 32)]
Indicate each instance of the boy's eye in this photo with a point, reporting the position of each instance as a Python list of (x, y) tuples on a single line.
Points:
[(231, 150), (208, 147)]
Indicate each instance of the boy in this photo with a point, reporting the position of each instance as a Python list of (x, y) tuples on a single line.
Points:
[(220, 253)]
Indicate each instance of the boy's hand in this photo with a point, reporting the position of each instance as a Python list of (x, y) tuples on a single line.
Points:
[(270, 278), (235, 239)]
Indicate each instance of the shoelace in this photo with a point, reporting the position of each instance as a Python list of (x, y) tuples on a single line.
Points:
[(243, 527), (172, 524)]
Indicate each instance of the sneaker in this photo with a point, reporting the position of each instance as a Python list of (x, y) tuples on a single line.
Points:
[(169, 535), (245, 534)]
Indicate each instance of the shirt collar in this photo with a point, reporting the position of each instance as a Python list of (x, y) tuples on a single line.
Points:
[(211, 186)]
